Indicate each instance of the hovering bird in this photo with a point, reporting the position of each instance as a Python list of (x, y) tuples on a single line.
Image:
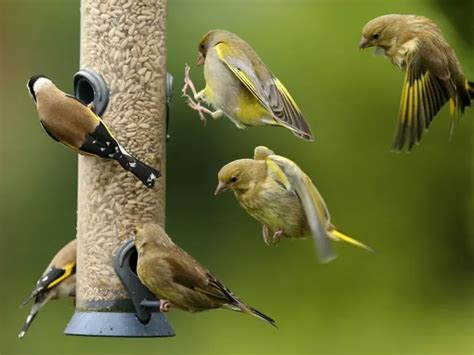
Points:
[(69, 121), (433, 73), (240, 86), (57, 282), (178, 279), (278, 194)]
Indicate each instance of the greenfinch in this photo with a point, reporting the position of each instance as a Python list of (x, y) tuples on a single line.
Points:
[(178, 279), (278, 194), (433, 73), (240, 86), (69, 121), (58, 281)]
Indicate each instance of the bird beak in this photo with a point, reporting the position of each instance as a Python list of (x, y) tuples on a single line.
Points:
[(364, 43), (200, 60), (221, 187)]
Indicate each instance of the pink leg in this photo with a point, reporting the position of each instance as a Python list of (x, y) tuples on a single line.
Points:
[(188, 84), (194, 101)]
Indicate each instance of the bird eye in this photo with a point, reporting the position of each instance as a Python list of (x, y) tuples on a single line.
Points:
[(375, 36), (233, 179)]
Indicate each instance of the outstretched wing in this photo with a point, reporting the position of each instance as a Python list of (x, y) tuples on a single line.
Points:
[(425, 91), (313, 204), (266, 88)]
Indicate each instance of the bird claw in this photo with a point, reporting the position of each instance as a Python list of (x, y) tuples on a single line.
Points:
[(271, 240), (197, 107), (277, 237), (165, 306)]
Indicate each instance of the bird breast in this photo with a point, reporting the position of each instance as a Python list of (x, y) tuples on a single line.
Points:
[(277, 208), (222, 87)]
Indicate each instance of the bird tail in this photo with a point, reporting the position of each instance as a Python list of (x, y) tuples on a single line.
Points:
[(143, 172), (34, 311), (260, 315), (338, 236)]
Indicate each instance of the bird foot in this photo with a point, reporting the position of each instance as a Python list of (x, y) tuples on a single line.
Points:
[(165, 306), (195, 105), (271, 240), (188, 83), (277, 237)]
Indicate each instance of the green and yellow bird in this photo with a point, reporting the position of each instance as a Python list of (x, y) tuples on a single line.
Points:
[(70, 122), (178, 279), (240, 86), (278, 194), (433, 76), (57, 281)]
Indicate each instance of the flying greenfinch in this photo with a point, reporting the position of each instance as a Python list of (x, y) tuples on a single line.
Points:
[(178, 279), (433, 73), (69, 121), (240, 86), (58, 281), (278, 194)]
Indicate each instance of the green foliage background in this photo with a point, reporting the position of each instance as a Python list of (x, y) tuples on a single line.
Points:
[(414, 296)]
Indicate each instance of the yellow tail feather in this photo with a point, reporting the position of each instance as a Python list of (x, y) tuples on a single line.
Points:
[(338, 236)]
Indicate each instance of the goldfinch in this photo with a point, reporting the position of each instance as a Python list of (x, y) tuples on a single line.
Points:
[(433, 73), (278, 194), (178, 279), (58, 281), (69, 121), (240, 86)]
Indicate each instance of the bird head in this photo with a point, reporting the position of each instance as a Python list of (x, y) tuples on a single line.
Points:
[(239, 175), (381, 31), (36, 83), (150, 234), (209, 40)]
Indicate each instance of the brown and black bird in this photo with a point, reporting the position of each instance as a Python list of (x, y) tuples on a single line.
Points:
[(178, 279), (433, 76), (58, 281), (69, 121)]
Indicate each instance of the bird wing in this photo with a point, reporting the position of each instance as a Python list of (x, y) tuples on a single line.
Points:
[(261, 153), (51, 278), (188, 272), (424, 92), (266, 88), (313, 204)]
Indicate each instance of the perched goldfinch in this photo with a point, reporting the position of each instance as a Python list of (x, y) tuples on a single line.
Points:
[(278, 194), (240, 86), (433, 73), (178, 279), (58, 281), (76, 125)]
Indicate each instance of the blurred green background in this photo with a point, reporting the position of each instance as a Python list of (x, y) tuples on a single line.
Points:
[(414, 296)]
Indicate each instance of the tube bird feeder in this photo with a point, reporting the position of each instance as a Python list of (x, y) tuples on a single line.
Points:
[(124, 42)]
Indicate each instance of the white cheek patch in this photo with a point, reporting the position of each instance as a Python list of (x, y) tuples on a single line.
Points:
[(40, 83)]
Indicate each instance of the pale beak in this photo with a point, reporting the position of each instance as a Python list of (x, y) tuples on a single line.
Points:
[(200, 60), (364, 43), (221, 187)]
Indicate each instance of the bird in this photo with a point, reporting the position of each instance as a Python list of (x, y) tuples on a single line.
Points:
[(433, 73), (278, 194), (57, 282), (240, 86), (178, 279), (76, 125)]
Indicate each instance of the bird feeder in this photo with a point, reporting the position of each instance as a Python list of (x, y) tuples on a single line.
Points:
[(123, 61)]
